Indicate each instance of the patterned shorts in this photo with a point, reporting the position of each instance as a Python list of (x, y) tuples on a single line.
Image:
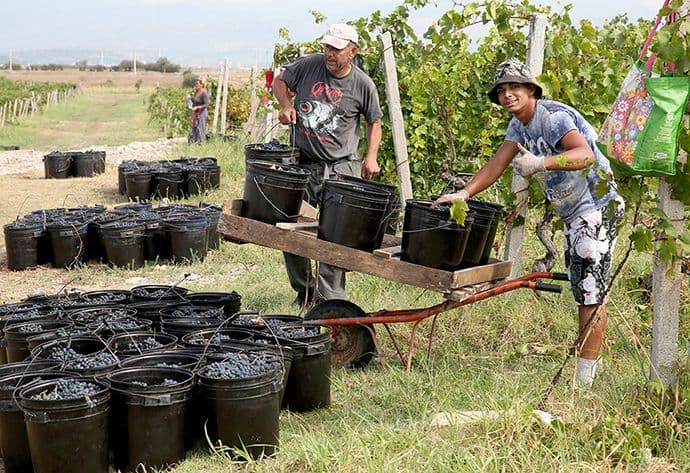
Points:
[(589, 243)]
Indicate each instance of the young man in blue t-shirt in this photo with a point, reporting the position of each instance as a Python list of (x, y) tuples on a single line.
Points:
[(554, 143)]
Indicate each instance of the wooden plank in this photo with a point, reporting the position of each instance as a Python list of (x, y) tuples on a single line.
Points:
[(395, 111), (308, 211), (240, 228), (388, 253)]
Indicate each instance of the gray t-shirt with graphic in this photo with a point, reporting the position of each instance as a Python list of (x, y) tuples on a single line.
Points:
[(329, 108), (572, 193)]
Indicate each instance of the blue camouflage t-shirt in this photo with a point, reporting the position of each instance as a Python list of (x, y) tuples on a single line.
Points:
[(572, 193)]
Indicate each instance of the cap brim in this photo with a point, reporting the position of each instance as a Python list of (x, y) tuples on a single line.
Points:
[(334, 41), (493, 96)]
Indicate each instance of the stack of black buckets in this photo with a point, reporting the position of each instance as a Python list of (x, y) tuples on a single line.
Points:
[(61, 165), (126, 236), (353, 212), (145, 180), (356, 213), (142, 376)]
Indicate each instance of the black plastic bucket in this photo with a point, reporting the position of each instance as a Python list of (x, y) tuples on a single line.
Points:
[(137, 343), (93, 357), (394, 205), (498, 216), (430, 238), (154, 239), (67, 435), (99, 158), (272, 152), (22, 242), (14, 442), (169, 182), (150, 310), (17, 336), (94, 241), (138, 184), (57, 165), (353, 215), (68, 242), (84, 165), (212, 215), (479, 233), (164, 359), (272, 192), (124, 243), (230, 301), (181, 326), (159, 292), (242, 413), (149, 415), (309, 382), (187, 237)]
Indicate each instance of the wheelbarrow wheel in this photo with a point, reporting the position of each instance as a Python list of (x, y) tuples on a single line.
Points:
[(353, 345)]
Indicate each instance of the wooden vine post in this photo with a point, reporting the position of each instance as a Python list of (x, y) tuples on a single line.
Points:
[(666, 282), (396, 117), (219, 88), (224, 106), (515, 233)]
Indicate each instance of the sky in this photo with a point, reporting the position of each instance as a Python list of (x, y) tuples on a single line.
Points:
[(203, 32)]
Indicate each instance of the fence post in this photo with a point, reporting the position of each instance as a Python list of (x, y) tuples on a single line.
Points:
[(396, 117), (224, 111), (219, 88), (666, 281), (253, 104), (515, 232)]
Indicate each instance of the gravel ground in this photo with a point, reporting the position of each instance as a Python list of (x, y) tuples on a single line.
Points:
[(28, 160)]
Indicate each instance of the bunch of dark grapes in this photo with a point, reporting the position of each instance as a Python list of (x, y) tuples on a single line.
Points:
[(78, 361), (146, 344), (242, 365), (165, 382), (67, 388), (30, 328), (205, 312), (273, 145)]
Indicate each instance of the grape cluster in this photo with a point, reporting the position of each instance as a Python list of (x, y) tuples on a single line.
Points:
[(202, 312), (167, 365), (67, 389), (294, 332), (17, 307), (146, 344), (220, 338), (157, 293), (248, 320), (125, 323), (242, 365), (165, 382), (273, 145), (30, 328), (73, 360)]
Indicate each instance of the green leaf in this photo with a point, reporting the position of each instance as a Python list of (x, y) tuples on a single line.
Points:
[(458, 211), (642, 240)]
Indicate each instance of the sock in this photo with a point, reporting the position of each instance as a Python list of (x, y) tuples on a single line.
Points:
[(586, 371)]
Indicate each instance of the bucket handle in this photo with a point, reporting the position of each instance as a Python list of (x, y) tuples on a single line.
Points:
[(258, 187), (440, 227), (320, 349), (150, 400)]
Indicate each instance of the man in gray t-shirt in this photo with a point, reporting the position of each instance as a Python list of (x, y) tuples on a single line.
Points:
[(554, 143), (331, 95)]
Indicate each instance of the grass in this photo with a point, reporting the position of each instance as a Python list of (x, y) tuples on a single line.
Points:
[(96, 116), (497, 355)]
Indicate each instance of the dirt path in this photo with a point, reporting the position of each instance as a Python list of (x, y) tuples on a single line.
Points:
[(22, 161)]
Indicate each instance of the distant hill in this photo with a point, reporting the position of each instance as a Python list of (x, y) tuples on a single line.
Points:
[(72, 56)]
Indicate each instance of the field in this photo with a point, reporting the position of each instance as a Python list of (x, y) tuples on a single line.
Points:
[(498, 355), (119, 79)]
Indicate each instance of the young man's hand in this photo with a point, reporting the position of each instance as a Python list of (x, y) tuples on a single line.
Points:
[(449, 198), (287, 116), (526, 163), (370, 168)]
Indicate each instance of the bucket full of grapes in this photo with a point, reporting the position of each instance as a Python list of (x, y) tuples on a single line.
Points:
[(67, 424)]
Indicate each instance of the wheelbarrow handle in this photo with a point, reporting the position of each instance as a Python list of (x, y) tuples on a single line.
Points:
[(546, 287), (560, 277)]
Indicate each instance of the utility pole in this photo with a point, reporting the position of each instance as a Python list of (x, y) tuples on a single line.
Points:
[(10, 60), (134, 63), (102, 61)]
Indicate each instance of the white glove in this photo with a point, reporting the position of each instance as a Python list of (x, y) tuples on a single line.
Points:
[(449, 198), (526, 164)]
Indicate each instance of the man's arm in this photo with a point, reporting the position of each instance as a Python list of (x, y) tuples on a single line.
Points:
[(287, 114), (370, 166)]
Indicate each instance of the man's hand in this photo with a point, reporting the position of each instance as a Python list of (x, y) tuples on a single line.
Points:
[(526, 164), (449, 198), (370, 168), (287, 116)]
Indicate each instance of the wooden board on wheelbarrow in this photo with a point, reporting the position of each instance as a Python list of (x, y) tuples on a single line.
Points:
[(236, 228)]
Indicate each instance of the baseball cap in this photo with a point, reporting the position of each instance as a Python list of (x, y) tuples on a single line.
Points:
[(340, 35), (509, 71)]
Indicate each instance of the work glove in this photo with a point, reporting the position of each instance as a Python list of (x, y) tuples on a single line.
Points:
[(450, 198), (526, 163)]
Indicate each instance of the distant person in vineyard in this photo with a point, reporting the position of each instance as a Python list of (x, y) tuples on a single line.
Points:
[(330, 97), (554, 143), (199, 111)]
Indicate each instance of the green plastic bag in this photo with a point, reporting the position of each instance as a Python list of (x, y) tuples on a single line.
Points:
[(657, 146)]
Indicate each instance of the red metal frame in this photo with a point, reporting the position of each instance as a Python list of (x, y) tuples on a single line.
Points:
[(385, 317)]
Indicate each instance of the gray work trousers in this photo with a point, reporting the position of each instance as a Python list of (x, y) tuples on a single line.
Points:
[(330, 283)]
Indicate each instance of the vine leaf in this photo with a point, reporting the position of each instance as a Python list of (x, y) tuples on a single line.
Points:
[(458, 211)]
